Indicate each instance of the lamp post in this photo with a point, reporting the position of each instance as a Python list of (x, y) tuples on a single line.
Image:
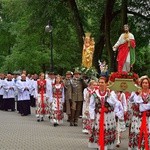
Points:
[(49, 29)]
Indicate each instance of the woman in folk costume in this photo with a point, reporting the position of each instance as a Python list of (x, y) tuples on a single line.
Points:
[(139, 137), (126, 52), (86, 121), (42, 108), (57, 101), (101, 109), (121, 126)]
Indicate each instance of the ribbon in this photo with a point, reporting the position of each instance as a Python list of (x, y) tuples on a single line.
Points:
[(42, 100), (57, 98), (101, 126), (143, 131)]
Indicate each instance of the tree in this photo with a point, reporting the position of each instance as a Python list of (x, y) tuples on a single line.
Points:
[(28, 45)]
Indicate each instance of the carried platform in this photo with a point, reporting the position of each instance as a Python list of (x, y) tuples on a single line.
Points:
[(124, 85), (124, 81)]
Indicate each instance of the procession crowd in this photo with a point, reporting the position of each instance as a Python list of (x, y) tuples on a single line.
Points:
[(105, 113)]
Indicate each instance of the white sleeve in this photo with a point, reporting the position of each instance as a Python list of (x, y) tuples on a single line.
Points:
[(50, 92), (36, 90), (124, 102), (138, 99), (144, 107), (47, 90), (5, 86), (92, 107), (19, 86), (14, 86), (119, 110), (112, 99), (29, 85), (84, 94), (134, 98)]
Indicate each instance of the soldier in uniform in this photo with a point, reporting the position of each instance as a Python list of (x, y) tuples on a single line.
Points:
[(78, 85), (68, 93)]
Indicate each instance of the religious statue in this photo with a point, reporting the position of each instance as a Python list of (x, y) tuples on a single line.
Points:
[(88, 50), (126, 52), (103, 68)]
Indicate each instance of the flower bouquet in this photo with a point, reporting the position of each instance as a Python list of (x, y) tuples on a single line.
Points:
[(123, 75)]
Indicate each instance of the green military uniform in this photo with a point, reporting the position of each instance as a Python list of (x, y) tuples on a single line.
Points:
[(68, 94), (78, 85)]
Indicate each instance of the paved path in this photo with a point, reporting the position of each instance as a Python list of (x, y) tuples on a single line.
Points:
[(25, 133)]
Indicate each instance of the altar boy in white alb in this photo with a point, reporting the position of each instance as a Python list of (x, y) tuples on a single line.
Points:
[(23, 87), (9, 93)]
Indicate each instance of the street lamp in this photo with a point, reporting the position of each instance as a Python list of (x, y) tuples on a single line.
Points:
[(49, 29)]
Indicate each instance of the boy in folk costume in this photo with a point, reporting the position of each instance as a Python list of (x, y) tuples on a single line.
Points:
[(128, 114), (57, 101), (121, 126), (49, 81), (42, 108), (126, 52), (86, 122)]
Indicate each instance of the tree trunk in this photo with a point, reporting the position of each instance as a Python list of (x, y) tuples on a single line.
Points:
[(99, 46), (77, 20), (124, 18), (108, 19)]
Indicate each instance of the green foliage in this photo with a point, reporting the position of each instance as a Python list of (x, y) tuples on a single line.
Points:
[(89, 72), (142, 65), (25, 45)]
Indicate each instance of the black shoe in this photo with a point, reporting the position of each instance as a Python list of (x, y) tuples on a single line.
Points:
[(71, 124), (75, 124), (69, 118), (42, 119), (55, 124), (117, 145), (38, 120)]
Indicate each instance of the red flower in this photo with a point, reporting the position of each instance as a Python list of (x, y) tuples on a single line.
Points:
[(124, 75)]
